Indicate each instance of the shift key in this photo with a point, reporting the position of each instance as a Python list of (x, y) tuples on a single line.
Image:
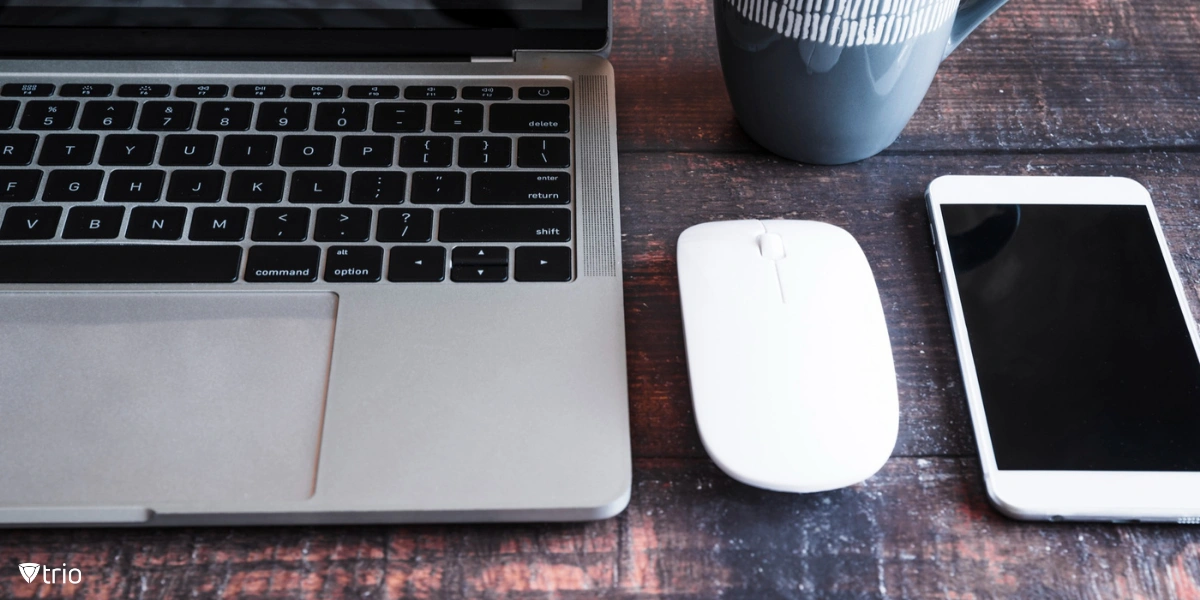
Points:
[(505, 225)]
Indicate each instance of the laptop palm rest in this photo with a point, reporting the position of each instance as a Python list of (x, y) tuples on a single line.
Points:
[(139, 399)]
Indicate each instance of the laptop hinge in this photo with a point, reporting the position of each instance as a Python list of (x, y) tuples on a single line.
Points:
[(493, 59)]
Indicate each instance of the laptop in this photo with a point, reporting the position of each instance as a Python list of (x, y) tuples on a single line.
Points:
[(300, 261)]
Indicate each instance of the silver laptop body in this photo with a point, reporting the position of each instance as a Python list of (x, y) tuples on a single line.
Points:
[(167, 372)]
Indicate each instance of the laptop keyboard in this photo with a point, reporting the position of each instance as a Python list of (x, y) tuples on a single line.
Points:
[(261, 183)]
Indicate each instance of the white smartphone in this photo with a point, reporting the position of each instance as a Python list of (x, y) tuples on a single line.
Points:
[(1079, 353)]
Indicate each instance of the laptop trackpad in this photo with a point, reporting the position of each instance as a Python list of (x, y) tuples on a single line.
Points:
[(152, 399)]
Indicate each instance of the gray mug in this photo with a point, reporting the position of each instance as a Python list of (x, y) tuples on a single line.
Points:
[(835, 81)]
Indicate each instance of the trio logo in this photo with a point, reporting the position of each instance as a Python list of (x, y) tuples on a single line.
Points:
[(29, 572)]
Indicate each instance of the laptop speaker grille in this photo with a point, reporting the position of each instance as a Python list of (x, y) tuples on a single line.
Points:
[(597, 244)]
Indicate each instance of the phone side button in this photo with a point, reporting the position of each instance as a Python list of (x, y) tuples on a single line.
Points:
[(938, 255)]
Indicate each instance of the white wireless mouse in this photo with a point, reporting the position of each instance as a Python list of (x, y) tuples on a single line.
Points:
[(791, 366)]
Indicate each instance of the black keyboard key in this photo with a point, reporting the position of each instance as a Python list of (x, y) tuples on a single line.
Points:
[(545, 93), (257, 187), (417, 263), (68, 150), (133, 150), (283, 264), (527, 187), (487, 93), (49, 114), (259, 91), (530, 118), (377, 187), (223, 224), (446, 187), (196, 186), (316, 91), (404, 225), (374, 92), (457, 117), (73, 186), (16, 150), (94, 223), (367, 151), (144, 90), (108, 115), (288, 224), (19, 186), (202, 91), (318, 187), (27, 90), (399, 117), (505, 225), (86, 90), (8, 113), (484, 152), (480, 255), (343, 225), (248, 151), (225, 116), (543, 263), (134, 186), (30, 223), (284, 116), (167, 116), (543, 152), (156, 223), (342, 116), (426, 151), (479, 274), (430, 92), (107, 263), (354, 263), (188, 151), (307, 151)]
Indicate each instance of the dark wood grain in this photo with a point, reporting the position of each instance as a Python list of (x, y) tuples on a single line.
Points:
[(1088, 87), (1093, 74), (919, 529)]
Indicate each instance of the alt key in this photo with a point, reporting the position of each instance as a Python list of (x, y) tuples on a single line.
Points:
[(354, 264)]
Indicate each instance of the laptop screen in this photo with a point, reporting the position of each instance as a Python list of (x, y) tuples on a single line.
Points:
[(299, 28)]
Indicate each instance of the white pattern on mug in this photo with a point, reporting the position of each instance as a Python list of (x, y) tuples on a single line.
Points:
[(849, 22)]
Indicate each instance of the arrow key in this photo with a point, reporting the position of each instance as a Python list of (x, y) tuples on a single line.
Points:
[(479, 274), (543, 263), (417, 263), (480, 255), (343, 225)]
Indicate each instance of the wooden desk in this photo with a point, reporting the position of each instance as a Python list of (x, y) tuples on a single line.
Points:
[(1103, 87)]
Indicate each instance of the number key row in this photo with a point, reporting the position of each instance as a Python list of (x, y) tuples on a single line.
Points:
[(234, 116)]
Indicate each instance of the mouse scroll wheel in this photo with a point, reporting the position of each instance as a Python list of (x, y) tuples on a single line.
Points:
[(771, 246)]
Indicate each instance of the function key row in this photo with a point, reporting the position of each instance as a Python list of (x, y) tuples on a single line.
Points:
[(363, 92), (389, 117)]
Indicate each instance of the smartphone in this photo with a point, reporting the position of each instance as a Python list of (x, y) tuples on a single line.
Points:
[(1079, 353)]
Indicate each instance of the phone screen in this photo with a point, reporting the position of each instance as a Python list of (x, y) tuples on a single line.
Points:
[(1081, 348)]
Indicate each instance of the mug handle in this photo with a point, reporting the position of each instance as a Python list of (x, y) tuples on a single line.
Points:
[(970, 14)]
